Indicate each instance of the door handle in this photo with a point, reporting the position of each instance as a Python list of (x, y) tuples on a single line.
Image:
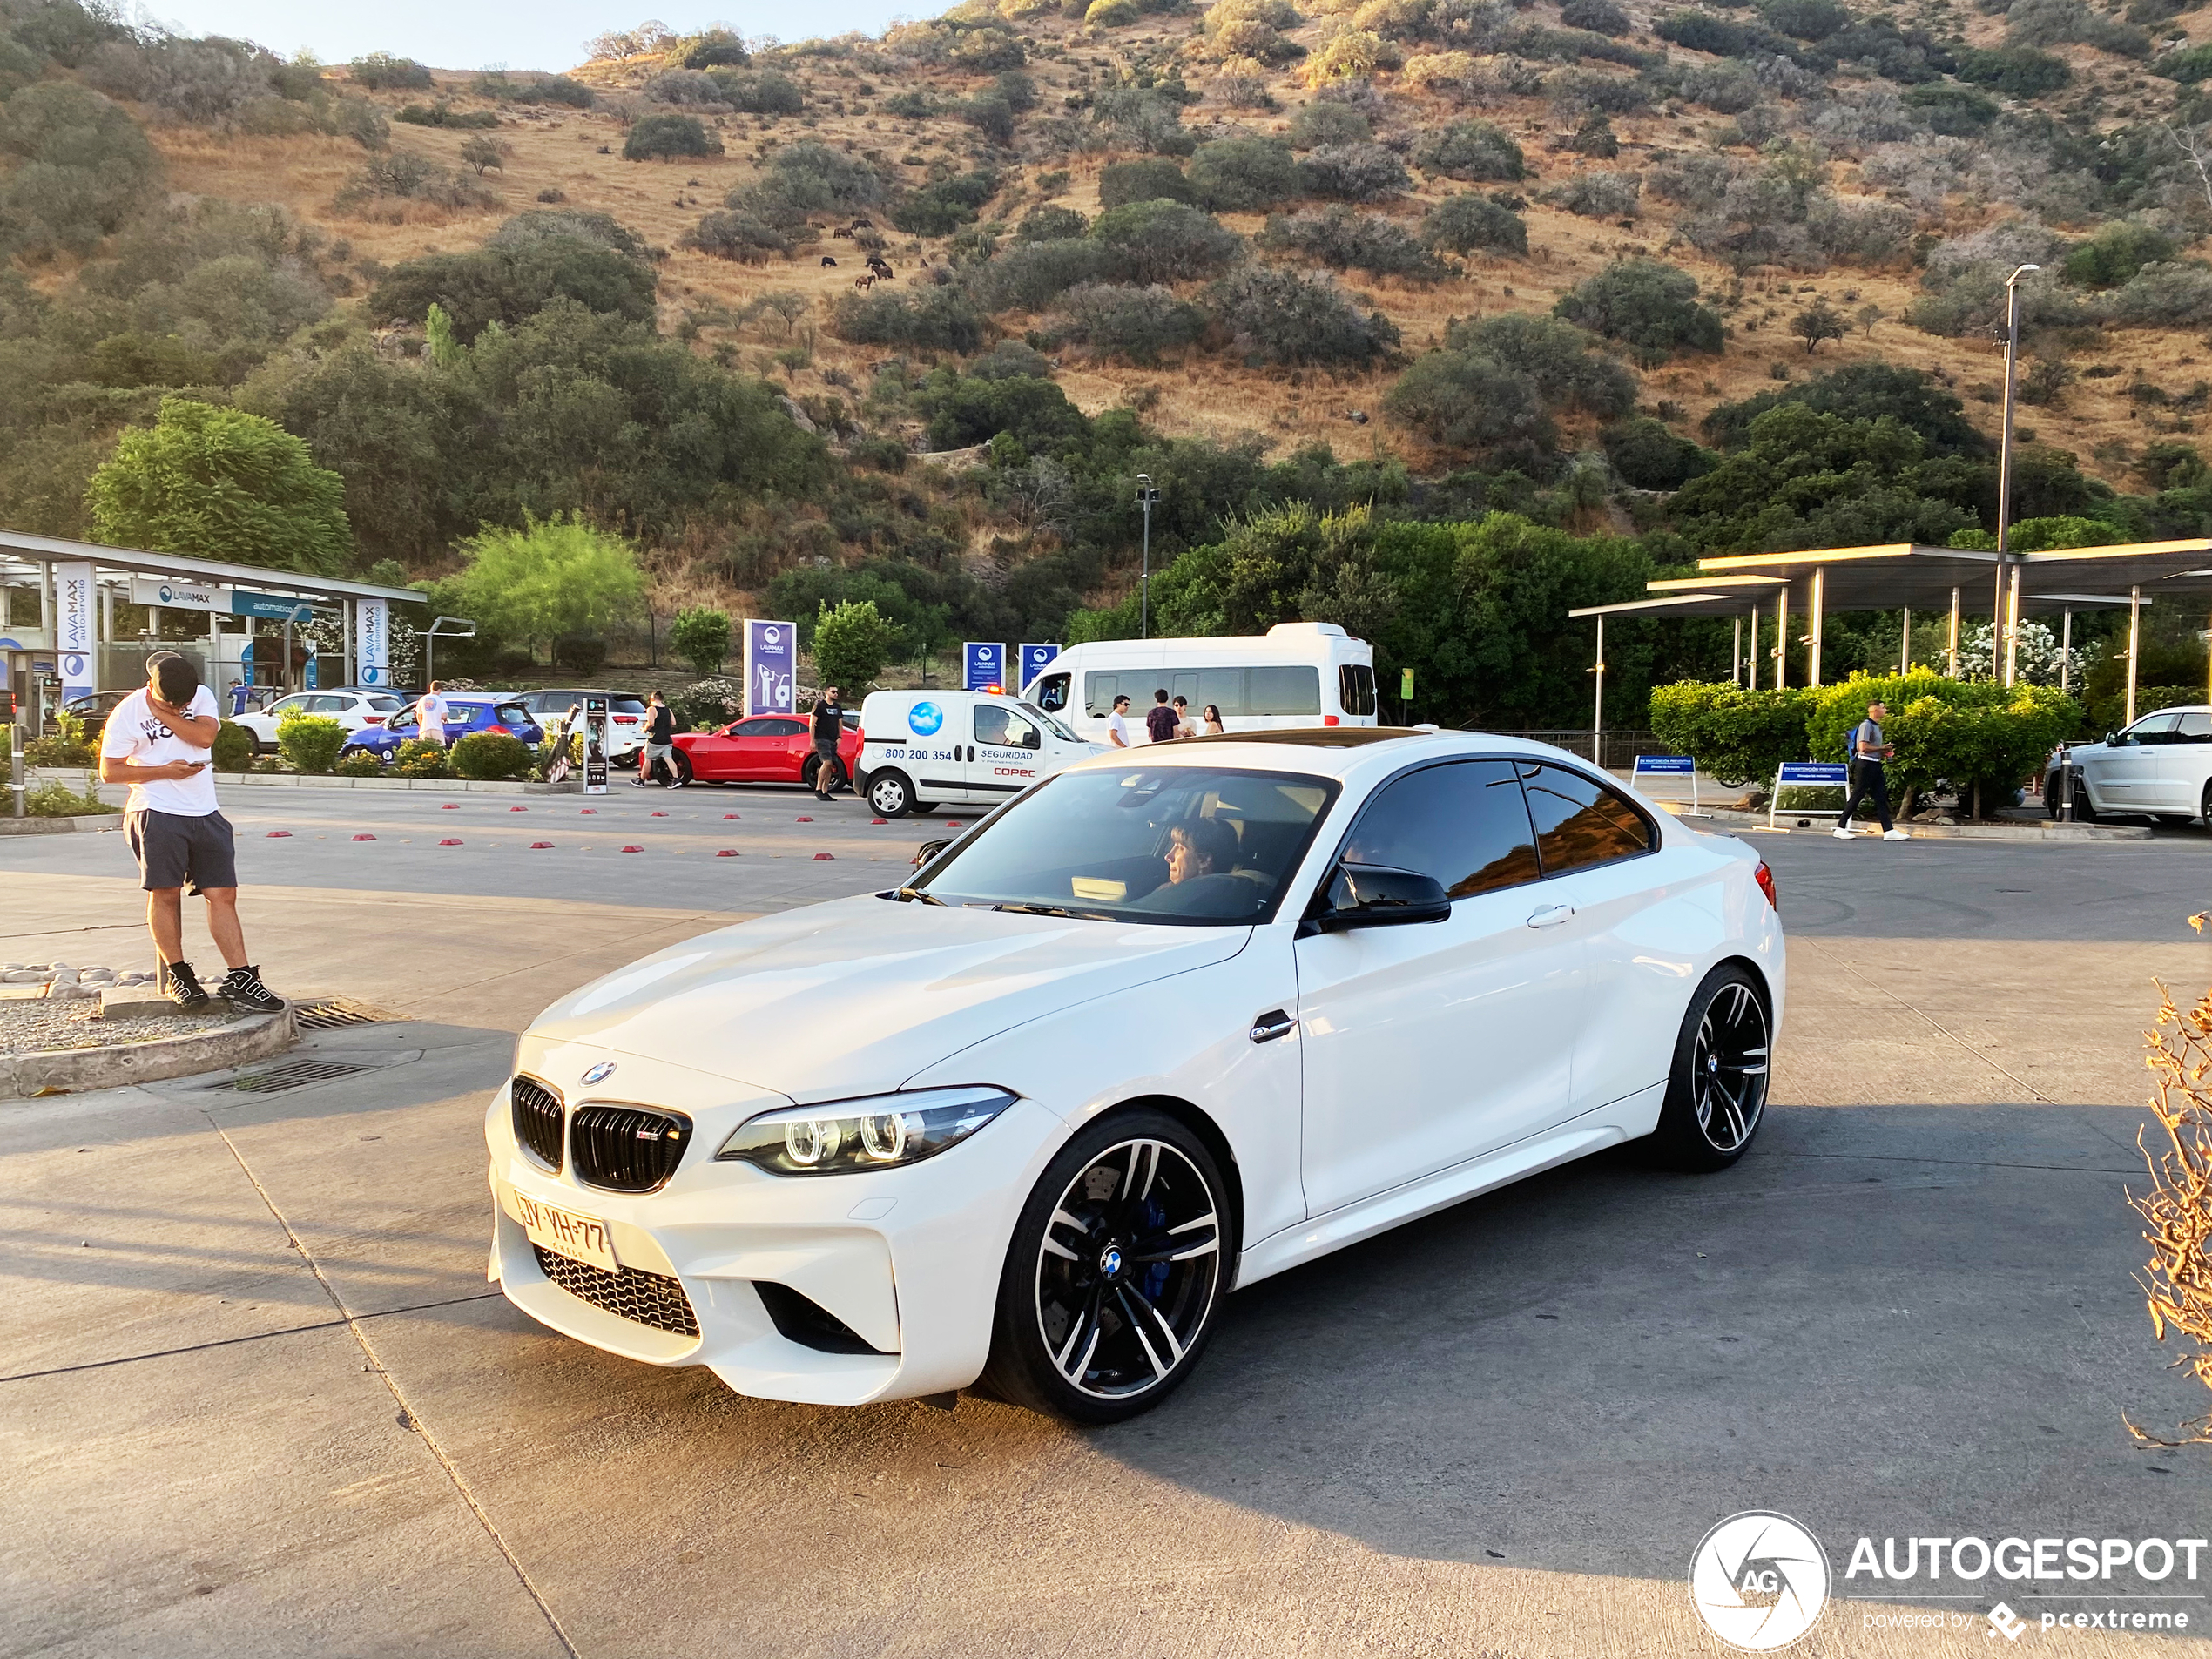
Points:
[(1551, 915), (1270, 1025)]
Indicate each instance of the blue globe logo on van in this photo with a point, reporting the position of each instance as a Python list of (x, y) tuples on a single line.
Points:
[(924, 718)]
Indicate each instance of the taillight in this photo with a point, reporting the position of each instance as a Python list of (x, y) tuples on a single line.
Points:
[(1328, 719), (372, 719), (501, 730), (626, 719), (1764, 877)]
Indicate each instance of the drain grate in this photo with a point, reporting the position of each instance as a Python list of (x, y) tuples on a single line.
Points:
[(296, 1074), (328, 1014)]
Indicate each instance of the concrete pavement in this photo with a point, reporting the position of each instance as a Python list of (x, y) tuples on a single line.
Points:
[(257, 1398)]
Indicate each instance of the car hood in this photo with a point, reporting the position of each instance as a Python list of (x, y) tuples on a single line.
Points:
[(859, 994)]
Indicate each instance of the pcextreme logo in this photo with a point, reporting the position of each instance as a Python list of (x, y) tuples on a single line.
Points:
[(1759, 1580)]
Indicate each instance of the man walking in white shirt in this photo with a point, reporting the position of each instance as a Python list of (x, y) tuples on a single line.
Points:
[(1868, 751), (157, 741), (1117, 724), (430, 712)]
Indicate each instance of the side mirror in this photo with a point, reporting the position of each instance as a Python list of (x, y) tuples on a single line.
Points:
[(929, 850), (2113, 738), (1375, 895)]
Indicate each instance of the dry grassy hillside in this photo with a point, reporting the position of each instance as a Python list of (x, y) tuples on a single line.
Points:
[(576, 154)]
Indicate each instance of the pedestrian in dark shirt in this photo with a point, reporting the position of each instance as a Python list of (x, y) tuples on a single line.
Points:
[(829, 726), (1159, 719), (660, 742)]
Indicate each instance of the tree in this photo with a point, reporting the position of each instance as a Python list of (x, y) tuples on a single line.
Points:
[(701, 636), (666, 136), (554, 576), (1646, 305), (481, 153), (852, 644), (1816, 322), (223, 484)]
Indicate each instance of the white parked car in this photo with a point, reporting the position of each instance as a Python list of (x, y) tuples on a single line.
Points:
[(1162, 1027), (922, 749), (2160, 767), (355, 710)]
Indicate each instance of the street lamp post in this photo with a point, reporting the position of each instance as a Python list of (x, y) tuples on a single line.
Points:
[(1999, 632), (1145, 496), (464, 629)]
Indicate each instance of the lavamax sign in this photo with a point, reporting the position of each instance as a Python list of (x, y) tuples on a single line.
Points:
[(1760, 1582)]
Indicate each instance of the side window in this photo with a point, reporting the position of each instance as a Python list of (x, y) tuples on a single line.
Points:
[(1282, 691), (1005, 728), (1052, 693), (1224, 688), (403, 721), (1580, 822), (2194, 728), (1356, 688), (1099, 692), (2155, 728), (758, 729), (1463, 823), (515, 714)]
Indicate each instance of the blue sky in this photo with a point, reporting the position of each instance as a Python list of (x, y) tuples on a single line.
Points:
[(469, 34)]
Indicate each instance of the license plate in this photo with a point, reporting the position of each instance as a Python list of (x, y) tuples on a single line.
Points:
[(565, 1233)]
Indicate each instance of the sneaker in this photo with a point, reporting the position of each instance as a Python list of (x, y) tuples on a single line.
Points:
[(1844, 834), (183, 987), (1896, 835), (242, 989)]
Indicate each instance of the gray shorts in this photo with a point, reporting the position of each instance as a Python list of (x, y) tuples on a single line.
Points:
[(658, 751), (176, 851)]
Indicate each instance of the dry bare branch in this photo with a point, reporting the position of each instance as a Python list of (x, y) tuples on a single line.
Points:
[(2177, 1210)]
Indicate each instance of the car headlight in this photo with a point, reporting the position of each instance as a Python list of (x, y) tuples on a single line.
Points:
[(875, 1132)]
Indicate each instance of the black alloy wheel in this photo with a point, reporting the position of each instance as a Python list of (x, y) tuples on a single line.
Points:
[(1114, 1274), (1717, 1089)]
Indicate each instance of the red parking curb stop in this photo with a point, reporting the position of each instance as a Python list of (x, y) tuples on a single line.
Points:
[(450, 806), (657, 814), (633, 849), (727, 852), (802, 820), (819, 857), (364, 838), (449, 841), (727, 817), (518, 809), (952, 823), (539, 847), (279, 836), (587, 812), (878, 820)]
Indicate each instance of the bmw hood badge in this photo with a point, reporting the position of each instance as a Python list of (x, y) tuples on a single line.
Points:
[(600, 1072)]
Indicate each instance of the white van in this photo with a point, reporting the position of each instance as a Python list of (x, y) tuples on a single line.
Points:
[(1296, 674), (920, 748)]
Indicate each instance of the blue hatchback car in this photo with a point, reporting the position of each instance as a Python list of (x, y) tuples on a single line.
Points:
[(467, 713)]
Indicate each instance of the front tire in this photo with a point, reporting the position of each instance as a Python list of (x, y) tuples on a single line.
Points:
[(891, 794), (1717, 1089), (1117, 1266)]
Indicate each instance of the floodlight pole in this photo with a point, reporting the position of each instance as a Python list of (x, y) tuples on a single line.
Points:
[(467, 629), (2066, 651), (1736, 655), (1997, 616), (1953, 647), (2135, 639), (1751, 664), (1145, 496), (1597, 706), (1904, 646)]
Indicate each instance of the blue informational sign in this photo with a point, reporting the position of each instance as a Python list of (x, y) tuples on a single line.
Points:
[(986, 664), (771, 667), (1665, 766), (269, 608), (1816, 773), (1035, 659)]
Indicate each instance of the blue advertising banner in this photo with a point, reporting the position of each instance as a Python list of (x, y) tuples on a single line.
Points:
[(1035, 659), (986, 663), (269, 608), (75, 636), (771, 667)]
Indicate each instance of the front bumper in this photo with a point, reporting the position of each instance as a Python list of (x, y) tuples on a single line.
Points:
[(907, 1259)]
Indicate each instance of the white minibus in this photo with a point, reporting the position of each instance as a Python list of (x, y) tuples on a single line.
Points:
[(1296, 674)]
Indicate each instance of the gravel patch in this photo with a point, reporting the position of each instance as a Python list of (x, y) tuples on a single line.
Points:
[(42, 1025)]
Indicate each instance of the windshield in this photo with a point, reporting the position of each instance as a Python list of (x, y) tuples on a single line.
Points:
[(1186, 846), (1048, 723)]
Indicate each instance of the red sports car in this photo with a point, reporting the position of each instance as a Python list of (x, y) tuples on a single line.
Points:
[(762, 749)]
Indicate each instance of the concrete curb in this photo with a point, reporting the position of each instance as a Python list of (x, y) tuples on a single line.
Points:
[(60, 825), (294, 780), (1785, 825), (69, 1071)]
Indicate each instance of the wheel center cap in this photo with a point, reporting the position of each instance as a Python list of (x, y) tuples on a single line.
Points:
[(1712, 1063), (1110, 1261)]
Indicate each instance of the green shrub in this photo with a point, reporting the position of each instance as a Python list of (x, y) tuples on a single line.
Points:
[(1477, 151), (939, 319), (1352, 172), (234, 748), (2020, 72), (667, 136), (763, 93), (310, 742), (1319, 124), (1030, 275), (1050, 222), (381, 73), (2117, 254), (1244, 175), (1115, 320), (1649, 456), (1336, 236), (1147, 179), (1469, 223), (53, 799), (1111, 14), (491, 754), (1957, 112), (711, 49), (1644, 304), (746, 237), (701, 636), (1738, 736), (1599, 16), (359, 764), (1282, 317), (1161, 241), (420, 758), (941, 208), (442, 114), (1962, 733), (67, 747)]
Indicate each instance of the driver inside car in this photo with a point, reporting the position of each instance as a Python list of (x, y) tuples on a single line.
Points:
[(1202, 857)]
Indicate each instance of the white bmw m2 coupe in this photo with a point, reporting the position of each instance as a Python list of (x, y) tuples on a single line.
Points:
[(1165, 1024)]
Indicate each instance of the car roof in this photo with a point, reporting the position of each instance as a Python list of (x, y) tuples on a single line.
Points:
[(1329, 752)]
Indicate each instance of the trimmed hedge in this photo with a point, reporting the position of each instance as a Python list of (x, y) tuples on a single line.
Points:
[(491, 754), (1738, 736), (310, 742)]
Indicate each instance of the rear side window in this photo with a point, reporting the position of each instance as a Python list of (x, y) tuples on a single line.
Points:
[(1356, 688), (515, 714), (2194, 728), (1282, 691), (384, 704), (1580, 822), (1099, 692), (1463, 823)]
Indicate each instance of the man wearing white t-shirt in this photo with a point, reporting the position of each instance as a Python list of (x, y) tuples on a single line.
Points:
[(1117, 724), (157, 741), (430, 712)]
